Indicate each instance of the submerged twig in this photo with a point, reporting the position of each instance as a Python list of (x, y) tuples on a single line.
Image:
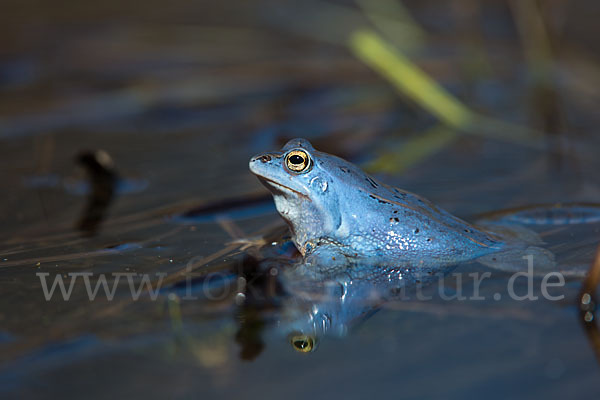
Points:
[(194, 264)]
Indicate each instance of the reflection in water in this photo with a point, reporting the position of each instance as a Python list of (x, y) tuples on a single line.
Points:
[(257, 294), (249, 335), (281, 297), (302, 305), (330, 304), (102, 176)]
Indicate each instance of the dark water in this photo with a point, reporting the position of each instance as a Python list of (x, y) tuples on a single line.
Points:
[(181, 95)]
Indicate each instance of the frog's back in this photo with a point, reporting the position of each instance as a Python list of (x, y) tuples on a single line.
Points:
[(380, 220)]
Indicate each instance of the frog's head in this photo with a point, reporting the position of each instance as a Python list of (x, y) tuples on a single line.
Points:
[(306, 194)]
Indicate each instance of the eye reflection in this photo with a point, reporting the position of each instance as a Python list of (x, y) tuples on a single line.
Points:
[(302, 343)]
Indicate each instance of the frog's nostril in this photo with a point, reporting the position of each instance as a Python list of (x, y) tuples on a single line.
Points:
[(264, 158)]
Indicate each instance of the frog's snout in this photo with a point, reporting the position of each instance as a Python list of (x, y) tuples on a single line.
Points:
[(259, 163), (262, 162), (262, 158)]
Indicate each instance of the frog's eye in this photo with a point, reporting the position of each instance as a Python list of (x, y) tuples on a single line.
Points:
[(302, 343), (297, 161)]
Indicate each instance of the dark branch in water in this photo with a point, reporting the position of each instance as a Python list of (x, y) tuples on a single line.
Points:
[(221, 206), (102, 179)]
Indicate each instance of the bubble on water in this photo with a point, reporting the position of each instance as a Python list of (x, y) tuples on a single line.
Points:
[(586, 299)]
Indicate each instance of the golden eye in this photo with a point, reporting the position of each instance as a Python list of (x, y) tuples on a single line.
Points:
[(297, 161), (302, 343)]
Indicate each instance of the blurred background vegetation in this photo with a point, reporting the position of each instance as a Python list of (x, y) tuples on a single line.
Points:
[(477, 105)]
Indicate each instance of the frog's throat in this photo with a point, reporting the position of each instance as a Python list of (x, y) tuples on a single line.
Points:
[(279, 186)]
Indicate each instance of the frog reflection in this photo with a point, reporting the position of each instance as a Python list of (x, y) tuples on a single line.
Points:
[(312, 304), (330, 303)]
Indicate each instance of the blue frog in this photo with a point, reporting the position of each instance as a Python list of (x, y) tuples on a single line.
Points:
[(338, 214)]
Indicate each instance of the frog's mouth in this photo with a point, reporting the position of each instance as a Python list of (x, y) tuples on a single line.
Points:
[(278, 187)]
